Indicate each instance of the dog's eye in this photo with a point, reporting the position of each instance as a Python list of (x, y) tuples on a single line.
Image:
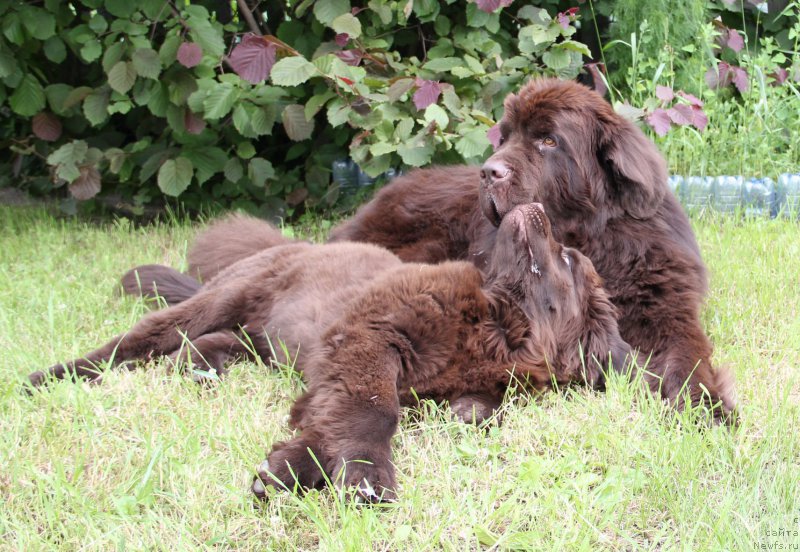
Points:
[(549, 141), (501, 141)]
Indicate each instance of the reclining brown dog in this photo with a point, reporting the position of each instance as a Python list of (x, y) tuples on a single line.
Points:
[(374, 334)]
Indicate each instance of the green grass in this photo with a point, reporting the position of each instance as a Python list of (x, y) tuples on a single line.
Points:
[(148, 460)]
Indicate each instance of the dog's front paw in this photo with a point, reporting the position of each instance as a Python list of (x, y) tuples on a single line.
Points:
[(373, 482)]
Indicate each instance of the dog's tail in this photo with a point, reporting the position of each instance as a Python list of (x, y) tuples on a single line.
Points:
[(152, 280), (228, 240)]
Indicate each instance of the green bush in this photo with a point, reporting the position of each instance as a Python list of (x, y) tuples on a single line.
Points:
[(142, 100)]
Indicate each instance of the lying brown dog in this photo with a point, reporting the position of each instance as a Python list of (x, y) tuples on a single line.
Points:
[(375, 333)]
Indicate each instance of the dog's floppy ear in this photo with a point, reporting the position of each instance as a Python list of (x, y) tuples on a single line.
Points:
[(637, 169)]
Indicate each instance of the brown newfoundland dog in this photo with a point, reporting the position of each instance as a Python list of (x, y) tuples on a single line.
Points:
[(604, 185), (375, 333)]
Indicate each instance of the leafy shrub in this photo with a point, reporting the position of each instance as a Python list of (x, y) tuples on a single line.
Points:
[(748, 108), (147, 99)]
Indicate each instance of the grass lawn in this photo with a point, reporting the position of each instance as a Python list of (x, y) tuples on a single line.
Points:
[(148, 460)]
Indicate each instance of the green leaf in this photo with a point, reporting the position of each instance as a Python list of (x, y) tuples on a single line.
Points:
[(208, 36), (120, 8), (168, 52), (175, 175), (12, 29), (384, 11), (98, 23), (68, 171), (435, 113), (575, 46), (55, 50), (450, 99), (219, 101), (348, 24), (56, 96), (8, 63), (116, 157), (556, 59), (233, 170), (382, 148), (113, 54), (95, 107), (474, 65), (40, 24), (402, 131), (122, 77), (91, 50), (440, 65), (259, 171), (327, 10), (462, 72), (76, 96), (245, 150), (207, 161), (534, 14), (292, 71), (315, 103), (28, 99), (159, 100), (253, 121), (147, 63), (338, 113), (377, 165), (79, 35), (241, 119), (70, 153), (154, 163), (295, 123), (415, 156), (263, 119), (473, 144)]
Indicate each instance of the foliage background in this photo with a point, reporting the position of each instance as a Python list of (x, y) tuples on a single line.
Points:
[(249, 105)]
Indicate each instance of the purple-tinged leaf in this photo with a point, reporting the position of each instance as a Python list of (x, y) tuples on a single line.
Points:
[(660, 121), (87, 185), (491, 5), (342, 39), (46, 126), (680, 114), (189, 54), (691, 98), (740, 79), (718, 77), (779, 76), (734, 40), (350, 57), (699, 118), (253, 58), (664, 93), (193, 122), (427, 93), (494, 135), (565, 17)]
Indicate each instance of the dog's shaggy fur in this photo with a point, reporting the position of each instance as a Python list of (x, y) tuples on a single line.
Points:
[(604, 185), (375, 333)]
